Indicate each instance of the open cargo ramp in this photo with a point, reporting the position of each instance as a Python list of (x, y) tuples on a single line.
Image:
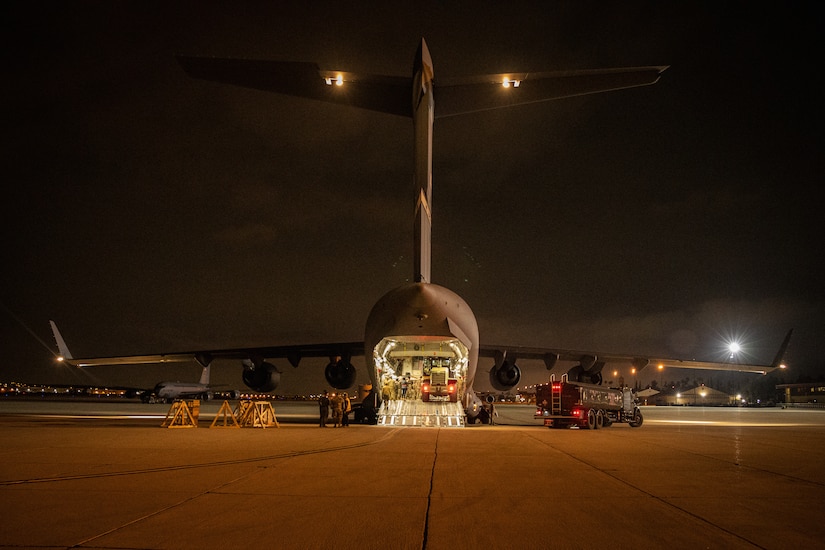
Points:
[(408, 412)]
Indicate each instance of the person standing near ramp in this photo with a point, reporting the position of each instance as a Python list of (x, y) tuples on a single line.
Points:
[(323, 406), (337, 403)]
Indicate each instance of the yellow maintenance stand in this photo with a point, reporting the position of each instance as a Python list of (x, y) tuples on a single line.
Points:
[(225, 418), (182, 414), (256, 414)]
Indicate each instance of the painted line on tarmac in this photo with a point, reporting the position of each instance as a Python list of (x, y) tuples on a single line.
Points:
[(743, 424)]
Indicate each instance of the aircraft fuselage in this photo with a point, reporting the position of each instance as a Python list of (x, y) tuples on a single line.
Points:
[(414, 328)]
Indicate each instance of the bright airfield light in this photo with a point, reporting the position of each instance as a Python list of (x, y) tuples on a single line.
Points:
[(734, 347), (505, 83)]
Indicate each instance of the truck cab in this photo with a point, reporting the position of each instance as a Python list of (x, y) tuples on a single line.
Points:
[(436, 385)]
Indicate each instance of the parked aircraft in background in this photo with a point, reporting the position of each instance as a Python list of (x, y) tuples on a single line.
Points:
[(420, 330), (166, 392)]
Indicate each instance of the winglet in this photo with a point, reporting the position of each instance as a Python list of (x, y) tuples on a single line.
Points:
[(777, 361), (61, 344)]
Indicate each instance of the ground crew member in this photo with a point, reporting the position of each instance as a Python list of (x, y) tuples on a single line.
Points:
[(337, 403), (323, 404), (347, 408)]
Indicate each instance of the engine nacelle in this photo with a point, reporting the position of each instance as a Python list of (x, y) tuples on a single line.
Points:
[(340, 374), (263, 377), (504, 375), (592, 375), (640, 362)]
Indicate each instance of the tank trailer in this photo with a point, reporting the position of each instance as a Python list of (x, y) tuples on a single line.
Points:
[(562, 404)]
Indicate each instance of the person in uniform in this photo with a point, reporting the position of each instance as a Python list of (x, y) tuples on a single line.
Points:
[(337, 403), (323, 405), (346, 409)]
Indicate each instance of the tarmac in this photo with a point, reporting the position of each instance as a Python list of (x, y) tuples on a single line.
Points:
[(688, 478)]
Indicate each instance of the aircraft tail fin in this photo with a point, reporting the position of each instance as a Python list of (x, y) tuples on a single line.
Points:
[(62, 348), (205, 375), (777, 361)]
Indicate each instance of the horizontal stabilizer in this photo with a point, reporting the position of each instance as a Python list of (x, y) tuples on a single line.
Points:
[(391, 94), (385, 94), (482, 93)]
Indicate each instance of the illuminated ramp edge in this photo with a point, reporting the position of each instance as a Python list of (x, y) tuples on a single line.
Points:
[(404, 412)]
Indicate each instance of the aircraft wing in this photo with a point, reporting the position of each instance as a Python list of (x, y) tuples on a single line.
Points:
[(293, 353), (391, 94), (589, 359)]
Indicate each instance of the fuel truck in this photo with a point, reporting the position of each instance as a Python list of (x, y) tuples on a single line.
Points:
[(562, 404)]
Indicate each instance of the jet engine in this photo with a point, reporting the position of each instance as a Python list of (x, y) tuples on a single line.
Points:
[(261, 377), (505, 373), (340, 373), (589, 371)]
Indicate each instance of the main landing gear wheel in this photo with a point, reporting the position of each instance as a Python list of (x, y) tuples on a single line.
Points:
[(637, 419), (591, 420)]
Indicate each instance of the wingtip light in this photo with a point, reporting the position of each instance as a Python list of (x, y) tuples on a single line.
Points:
[(507, 82)]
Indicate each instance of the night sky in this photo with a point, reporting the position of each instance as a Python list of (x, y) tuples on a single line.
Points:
[(148, 212)]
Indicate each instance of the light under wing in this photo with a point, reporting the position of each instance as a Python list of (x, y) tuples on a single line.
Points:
[(419, 323)]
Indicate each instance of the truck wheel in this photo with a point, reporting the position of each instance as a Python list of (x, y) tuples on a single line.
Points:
[(599, 419), (591, 420), (638, 419)]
